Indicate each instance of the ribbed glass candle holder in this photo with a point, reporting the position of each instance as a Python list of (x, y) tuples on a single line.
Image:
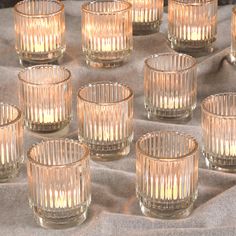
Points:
[(106, 32), (147, 16), (167, 174), (45, 97), (105, 119), (59, 182), (233, 36), (219, 131), (170, 86), (11, 141), (39, 30), (192, 25)]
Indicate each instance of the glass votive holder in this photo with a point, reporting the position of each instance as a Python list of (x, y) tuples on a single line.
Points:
[(11, 141), (105, 119), (219, 131), (192, 25), (147, 16), (45, 97), (107, 39), (233, 36), (166, 174), (170, 86), (59, 182), (39, 30)]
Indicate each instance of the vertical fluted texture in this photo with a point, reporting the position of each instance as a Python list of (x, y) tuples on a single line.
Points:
[(166, 170), (59, 179), (170, 84), (219, 129), (192, 23), (233, 34), (39, 29), (45, 97), (107, 30), (11, 140), (105, 116), (147, 10)]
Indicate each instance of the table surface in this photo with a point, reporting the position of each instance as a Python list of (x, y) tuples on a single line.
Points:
[(114, 209)]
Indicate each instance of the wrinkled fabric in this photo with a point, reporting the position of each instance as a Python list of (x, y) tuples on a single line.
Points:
[(114, 209)]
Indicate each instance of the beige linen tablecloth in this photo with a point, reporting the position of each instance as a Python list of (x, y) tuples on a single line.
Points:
[(114, 209)]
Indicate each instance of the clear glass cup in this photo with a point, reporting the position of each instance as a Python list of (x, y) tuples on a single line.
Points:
[(166, 174), (219, 131), (233, 36), (107, 39), (105, 119), (39, 30), (11, 141), (59, 182), (45, 93), (147, 16), (192, 25), (170, 86)]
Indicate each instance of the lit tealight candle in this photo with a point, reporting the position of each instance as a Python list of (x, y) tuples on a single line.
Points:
[(105, 119), (147, 16), (219, 131), (166, 173), (11, 141), (47, 115), (170, 86), (106, 32), (59, 182), (192, 24), (45, 97), (40, 29)]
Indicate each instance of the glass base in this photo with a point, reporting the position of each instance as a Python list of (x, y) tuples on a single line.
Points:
[(140, 28), (9, 173), (104, 64), (231, 59), (193, 48), (225, 164), (27, 58), (46, 128), (169, 115), (106, 59), (60, 223), (166, 214), (110, 155)]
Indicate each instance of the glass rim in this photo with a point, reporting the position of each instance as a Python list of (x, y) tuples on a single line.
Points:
[(131, 94), (153, 56), (38, 15), (165, 159), (12, 122), (207, 99), (194, 3), (68, 77), (84, 5), (84, 156)]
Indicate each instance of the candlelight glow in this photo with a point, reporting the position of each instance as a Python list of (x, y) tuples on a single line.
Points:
[(192, 24)]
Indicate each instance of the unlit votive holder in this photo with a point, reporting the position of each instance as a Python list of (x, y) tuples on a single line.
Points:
[(45, 97), (167, 174), (39, 30), (170, 86), (11, 141), (233, 36), (105, 119), (147, 16), (219, 131), (106, 32), (192, 25), (59, 182)]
